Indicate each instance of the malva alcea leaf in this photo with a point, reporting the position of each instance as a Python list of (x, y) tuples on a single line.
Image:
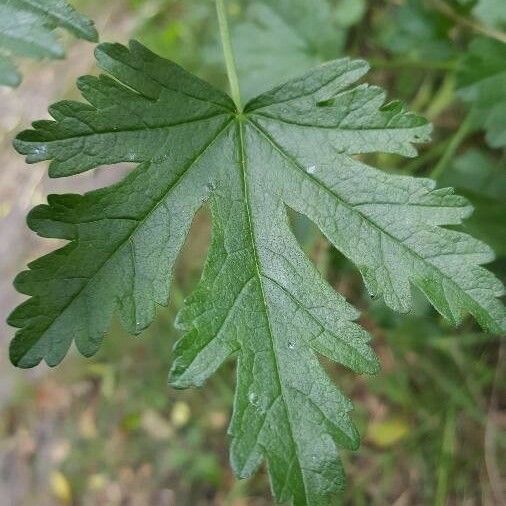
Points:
[(482, 83), (26, 29), (260, 298), (264, 61)]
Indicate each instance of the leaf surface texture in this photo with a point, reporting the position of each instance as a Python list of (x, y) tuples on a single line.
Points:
[(260, 299)]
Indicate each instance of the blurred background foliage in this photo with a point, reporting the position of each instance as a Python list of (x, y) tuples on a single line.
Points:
[(109, 431)]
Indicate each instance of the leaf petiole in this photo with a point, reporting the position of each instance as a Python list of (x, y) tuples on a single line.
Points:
[(228, 53)]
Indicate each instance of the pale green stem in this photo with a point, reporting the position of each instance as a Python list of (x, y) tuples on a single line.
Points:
[(435, 152), (446, 459), (228, 53), (380, 63), (452, 148), (443, 99), (474, 25)]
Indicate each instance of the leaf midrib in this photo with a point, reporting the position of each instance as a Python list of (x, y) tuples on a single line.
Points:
[(271, 93), (294, 163), (260, 276), (339, 128), (129, 236), (228, 109), (323, 328), (123, 130)]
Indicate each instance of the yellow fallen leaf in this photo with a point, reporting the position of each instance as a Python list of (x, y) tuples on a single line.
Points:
[(97, 481), (60, 487), (180, 414), (387, 432)]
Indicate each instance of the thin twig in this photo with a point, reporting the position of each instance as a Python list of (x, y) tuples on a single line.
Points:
[(380, 63), (446, 458), (474, 25), (494, 475), (452, 148)]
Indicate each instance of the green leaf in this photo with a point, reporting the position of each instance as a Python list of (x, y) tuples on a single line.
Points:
[(350, 12), (9, 76), (280, 38), (482, 179), (260, 299), (491, 12), (416, 31), (26, 30), (482, 83)]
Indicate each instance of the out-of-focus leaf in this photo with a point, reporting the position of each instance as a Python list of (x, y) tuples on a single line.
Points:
[(478, 172), (9, 75), (281, 38), (482, 179), (180, 414), (417, 32), (491, 12), (482, 83), (60, 487), (26, 29), (350, 12), (387, 432)]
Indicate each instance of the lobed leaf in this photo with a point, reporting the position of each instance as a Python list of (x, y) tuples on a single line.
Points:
[(260, 298)]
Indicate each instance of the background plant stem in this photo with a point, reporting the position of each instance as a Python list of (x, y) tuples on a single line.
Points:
[(456, 141), (472, 24)]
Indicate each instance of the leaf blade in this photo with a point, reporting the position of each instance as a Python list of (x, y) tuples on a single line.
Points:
[(260, 299)]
